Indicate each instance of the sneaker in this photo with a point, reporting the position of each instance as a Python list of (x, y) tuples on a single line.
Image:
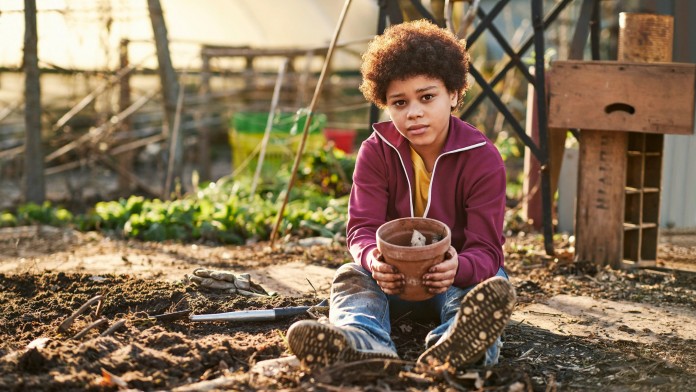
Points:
[(317, 344), (482, 316)]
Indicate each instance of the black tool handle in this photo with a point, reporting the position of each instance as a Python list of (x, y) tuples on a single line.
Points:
[(290, 311)]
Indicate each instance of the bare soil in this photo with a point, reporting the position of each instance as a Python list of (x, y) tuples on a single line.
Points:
[(576, 326)]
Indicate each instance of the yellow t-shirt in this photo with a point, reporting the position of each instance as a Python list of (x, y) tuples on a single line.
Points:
[(422, 184)]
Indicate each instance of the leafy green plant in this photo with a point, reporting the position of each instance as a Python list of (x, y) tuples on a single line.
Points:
[(223, 211), (331, 169), (32, 213)]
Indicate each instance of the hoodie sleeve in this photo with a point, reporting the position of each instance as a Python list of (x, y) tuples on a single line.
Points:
[(367, 207), (482, 253)]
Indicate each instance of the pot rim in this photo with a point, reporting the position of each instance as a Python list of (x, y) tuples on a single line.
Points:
[(392, 222)]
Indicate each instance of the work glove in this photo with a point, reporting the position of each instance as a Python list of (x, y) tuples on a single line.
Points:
[(227, 282)]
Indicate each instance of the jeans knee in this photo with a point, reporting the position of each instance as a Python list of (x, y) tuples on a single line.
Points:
[(351, 278), (350, 271)]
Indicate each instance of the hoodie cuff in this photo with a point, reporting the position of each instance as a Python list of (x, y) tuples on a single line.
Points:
[(465, 274), (367, 258)]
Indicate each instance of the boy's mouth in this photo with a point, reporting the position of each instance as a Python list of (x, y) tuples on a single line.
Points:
[(417, 128)]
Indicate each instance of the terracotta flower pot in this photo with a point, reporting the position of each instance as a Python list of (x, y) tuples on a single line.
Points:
[(394, 242)]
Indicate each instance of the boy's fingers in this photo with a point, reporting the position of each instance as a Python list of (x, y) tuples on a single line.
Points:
[(379, 276), (391, 287), (437, 291), (384, 268), (448, 264), (447, 275), (392, 292), (439, 283)]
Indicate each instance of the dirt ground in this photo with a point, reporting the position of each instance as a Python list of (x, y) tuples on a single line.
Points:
[(576, 327)]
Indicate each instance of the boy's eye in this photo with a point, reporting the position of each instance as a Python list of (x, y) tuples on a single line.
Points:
[(427, 97), (400, 102)]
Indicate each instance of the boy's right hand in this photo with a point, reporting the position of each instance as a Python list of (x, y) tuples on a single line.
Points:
[(387, 276)]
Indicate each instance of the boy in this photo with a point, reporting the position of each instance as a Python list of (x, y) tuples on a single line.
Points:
[(424, 162)]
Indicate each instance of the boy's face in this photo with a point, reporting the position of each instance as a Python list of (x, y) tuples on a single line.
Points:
[(420, 108)]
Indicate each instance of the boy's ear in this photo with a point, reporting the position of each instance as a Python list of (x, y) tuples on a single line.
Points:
[(454, 99)]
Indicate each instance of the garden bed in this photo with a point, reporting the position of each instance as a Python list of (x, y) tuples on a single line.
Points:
[(154, 355)]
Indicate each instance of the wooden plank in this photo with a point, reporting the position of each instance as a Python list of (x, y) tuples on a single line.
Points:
[(648, 247), (601, 95), (632, 209), (634, 173), (600, 208), (651, 208), (631, 241)]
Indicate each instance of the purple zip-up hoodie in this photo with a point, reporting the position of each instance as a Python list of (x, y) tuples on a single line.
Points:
[(467, 193)]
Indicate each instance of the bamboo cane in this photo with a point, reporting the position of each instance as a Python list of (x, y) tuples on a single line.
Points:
[(269, 125), (174, 147)]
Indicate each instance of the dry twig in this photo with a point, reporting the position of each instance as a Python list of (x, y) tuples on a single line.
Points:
[(86, 329), (378, 366), (65, 325), (100, 305), (120, 323)]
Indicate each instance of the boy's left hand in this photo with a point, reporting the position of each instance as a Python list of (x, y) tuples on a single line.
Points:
[(441, 275)]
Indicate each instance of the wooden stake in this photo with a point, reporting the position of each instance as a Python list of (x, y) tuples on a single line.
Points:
[(175, 145), (34, 183), (269, 125), (170, 89)]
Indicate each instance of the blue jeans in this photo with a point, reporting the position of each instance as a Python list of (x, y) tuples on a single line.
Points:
[(357, 301)]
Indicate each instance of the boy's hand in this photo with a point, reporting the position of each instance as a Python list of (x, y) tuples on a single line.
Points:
[(387, 276), (441, 276)]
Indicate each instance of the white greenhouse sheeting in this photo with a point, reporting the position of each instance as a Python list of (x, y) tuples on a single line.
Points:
[(678, 204), (73, 33)]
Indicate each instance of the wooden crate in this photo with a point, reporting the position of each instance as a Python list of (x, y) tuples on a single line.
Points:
[(623, 110), (622, 96)]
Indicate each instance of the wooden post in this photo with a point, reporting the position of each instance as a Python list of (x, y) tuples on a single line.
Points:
[(531, 185), (304, 79), (202, 115), (125, 161), (34, 183), (249, 74), (170, 91), (644, 153), (599, 215)]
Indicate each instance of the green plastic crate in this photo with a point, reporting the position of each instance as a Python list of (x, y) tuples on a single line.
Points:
[(246, 134)]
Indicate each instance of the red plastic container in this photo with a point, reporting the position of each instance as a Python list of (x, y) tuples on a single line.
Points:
[(343, 138)]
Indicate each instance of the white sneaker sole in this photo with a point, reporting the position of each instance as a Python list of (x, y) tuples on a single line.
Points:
[(317, 344), (482, 317)]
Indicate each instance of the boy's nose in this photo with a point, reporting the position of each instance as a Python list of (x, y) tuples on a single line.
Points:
[(415, 111)]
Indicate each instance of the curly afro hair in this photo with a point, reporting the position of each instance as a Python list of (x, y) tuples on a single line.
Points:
[(411, 49)]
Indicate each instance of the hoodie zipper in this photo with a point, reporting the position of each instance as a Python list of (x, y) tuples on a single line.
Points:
[(410, 191), (430, 188), (432, 176)]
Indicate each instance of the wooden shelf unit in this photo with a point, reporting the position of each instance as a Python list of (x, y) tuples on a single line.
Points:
[(642, 199)]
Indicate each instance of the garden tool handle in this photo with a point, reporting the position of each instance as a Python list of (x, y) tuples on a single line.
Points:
[(252, 315)]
